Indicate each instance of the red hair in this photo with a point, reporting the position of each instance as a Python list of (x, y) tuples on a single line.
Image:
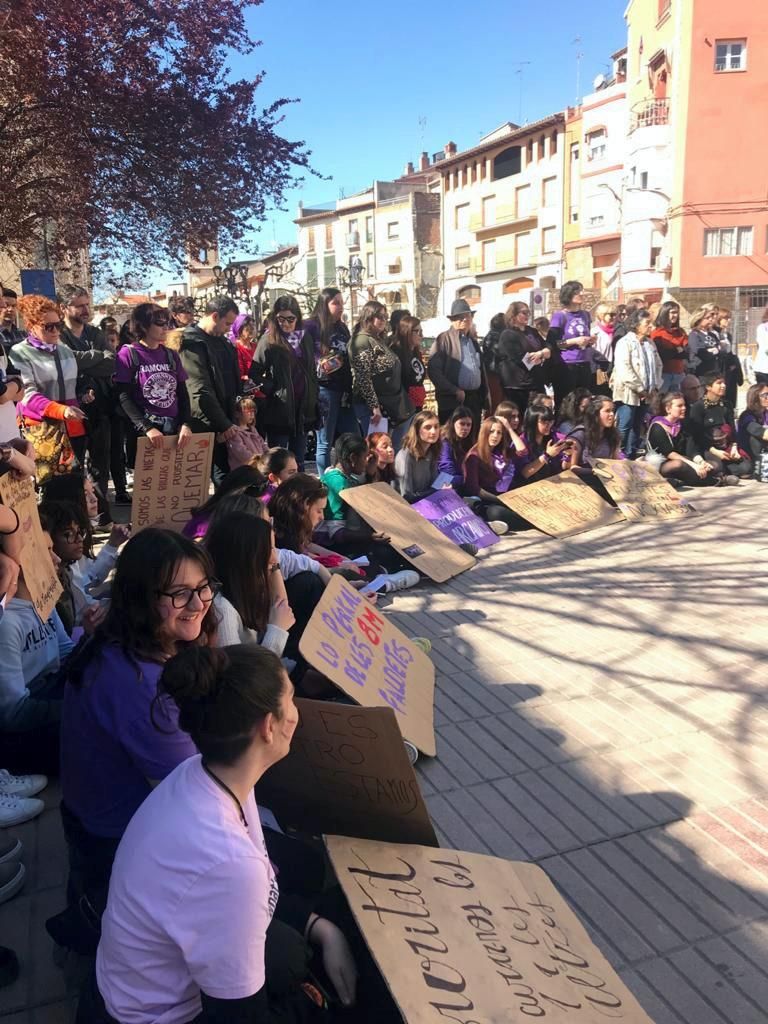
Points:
[(34, 307)]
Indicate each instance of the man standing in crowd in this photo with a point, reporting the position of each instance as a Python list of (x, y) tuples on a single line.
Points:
[(213, 378), (10, 333), (95, 366), (455, 365)]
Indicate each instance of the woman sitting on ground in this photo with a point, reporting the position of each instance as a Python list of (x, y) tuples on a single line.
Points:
[(489, 470), (753, 423), (570, 422), (458, 436), (547, 456), (380, 468), (196, 927), (246, 479), (668, 445), (713, 431), (602, 439), (277, 465), (416, 462), (509, 413)]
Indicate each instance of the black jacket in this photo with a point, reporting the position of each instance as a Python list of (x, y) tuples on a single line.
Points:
[(95, 368), (513, 345), (213, 380), (272, 369)]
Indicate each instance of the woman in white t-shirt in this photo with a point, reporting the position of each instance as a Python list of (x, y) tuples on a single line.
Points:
[(193, 893)]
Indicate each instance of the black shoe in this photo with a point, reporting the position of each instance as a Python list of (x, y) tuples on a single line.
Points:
[(123, 499), (9, 966)]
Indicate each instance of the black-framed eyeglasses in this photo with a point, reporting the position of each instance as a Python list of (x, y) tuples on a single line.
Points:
[(50, 328), (161, 318), (183, 598), (72, 536), (764, 394)]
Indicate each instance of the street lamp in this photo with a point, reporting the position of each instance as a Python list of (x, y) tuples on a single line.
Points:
[(351, 277), (233, 281)]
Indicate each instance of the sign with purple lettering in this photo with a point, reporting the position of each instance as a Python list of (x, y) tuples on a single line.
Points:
[(468, 938), (366, 656), (453, 517)]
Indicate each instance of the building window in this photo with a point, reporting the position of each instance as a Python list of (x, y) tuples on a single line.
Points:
[(461, 217), (312, 272), (471, 294), (369, 229), (553, 144), (353, 235), (730, 55), (462, 257), (310, 239), (523, 201), (529, 152), (596, 141), (393, 229), (329, 269), (596, 220), (507, 163), (644, 179), (489, 254), (489, 211), (540, 152), (329, 236), (370, 266), (664, 6), (548, 239), (728, 242), (549, 192), (523, 252)]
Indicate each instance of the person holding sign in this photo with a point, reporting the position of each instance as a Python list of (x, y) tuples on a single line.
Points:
[(195, 926), (151, 382)]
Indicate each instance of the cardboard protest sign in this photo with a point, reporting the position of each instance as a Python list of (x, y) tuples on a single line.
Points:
[(33, 555), (169, 483), (469, 938), (366, 656), (454, 518), (410, 534), (348, 773), (640, 491), (561, 506)]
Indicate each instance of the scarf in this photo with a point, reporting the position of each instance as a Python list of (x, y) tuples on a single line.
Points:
[(36, 342), (673, 429)]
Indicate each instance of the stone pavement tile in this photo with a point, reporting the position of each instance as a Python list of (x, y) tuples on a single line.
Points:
[(739, 958), (628, 810), (713, 985), (535, 744), (491, 831), (434, 771), (593, 804), (459, 703), (733, 840), (564, 809), (547, 824), (467, 762), (482, 738), (453, 827), (658, 1009), (524, 834)]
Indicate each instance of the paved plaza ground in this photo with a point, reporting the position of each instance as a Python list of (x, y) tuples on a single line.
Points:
[(601, 710)]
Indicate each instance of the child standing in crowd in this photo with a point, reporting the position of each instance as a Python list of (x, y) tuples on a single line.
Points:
[(416, 462), (242, 334), (458, 436), (247, 443), (381, 459), (489, 470)]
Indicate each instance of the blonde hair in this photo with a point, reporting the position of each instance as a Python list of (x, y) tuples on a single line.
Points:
[(602, 308), (703, 311)]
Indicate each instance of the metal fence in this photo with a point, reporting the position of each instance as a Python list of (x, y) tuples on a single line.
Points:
[(748, 309)]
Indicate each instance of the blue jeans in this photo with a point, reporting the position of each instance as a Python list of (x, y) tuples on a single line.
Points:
[(363, 414), (671, 381), (296, 443), (629, 419), (336, 420)]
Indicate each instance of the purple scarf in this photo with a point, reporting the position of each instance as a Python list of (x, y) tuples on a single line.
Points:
[(673, 429)]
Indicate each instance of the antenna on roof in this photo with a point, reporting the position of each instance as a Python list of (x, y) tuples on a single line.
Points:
[(520, 65), (579, 55)]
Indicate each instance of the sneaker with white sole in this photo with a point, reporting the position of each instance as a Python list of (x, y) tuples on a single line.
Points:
[(411, 751), (400, 580), (11, 850), (15, 810), (498, 527), (21, 785), (471, 549), (423, 643), (11, 880)]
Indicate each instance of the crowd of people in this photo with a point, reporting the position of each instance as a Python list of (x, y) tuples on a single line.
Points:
[(162, 686)]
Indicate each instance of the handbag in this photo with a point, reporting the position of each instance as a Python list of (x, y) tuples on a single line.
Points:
[(54, 455), (761, 468)]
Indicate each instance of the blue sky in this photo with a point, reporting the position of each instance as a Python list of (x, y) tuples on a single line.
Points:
[(366, 75)]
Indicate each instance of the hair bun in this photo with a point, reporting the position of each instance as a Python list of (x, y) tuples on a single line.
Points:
[(194, 674)]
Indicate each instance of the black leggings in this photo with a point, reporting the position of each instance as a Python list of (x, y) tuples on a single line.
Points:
[(686, 474), (494, 511)]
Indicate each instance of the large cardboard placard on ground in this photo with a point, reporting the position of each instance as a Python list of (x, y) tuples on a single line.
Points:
[(357, 648), (455, 519), (35, 559), (474, 939), (640, 491), (169, 482), (348, 773), (410, 534), (561, 506)]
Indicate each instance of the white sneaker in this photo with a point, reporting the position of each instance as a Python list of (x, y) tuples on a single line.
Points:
[(15, 810), (21, 785), (11, 880), (498, 527), (11, 850), (400, 580), (411, 751)]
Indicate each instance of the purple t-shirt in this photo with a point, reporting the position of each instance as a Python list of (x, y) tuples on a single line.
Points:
[(575, 323), (155, 375), (109, 746)]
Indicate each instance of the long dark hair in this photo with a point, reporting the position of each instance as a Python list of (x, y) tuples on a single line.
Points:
[(240, 545), (234, 482), (223, 694), (70, 488), (595, 432), (327, 324), (459, 446), (368, 314), (289, 506), (534, 414), (570, 410), (284, 304), (145, 568)]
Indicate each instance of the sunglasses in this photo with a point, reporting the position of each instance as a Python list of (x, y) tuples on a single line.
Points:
[(160, 318), (72, 536), (50, 328), (286, 319)]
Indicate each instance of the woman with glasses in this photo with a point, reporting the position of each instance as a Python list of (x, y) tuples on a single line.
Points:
[(522, 357), (377, 376), (753, 424), (49, 412), (406, 343), (114, 746), (284, 369), (602, 327), (150, 379)]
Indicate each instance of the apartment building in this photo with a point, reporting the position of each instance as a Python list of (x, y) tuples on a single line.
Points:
[(382, 243), (595, 146), (501, 205)]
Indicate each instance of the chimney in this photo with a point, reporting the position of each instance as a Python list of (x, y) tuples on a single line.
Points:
[(409, 168), (424, 162), (449, 149)]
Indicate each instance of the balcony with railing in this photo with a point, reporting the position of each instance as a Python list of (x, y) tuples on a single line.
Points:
[(649, 114)]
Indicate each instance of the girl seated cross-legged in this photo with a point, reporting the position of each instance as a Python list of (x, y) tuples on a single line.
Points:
[(416, 462), (490, 469)]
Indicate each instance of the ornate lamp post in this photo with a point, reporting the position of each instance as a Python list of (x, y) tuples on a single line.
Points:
[(351, 278), (232, 280)]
